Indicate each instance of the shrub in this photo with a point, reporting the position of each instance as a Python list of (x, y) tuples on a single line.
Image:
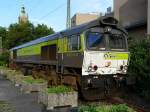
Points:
[(106, 108), (140, 65), (120, 108), (4, 58), (59, 89), (88, 109)]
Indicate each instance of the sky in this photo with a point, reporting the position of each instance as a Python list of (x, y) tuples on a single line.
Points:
[(49, 12)]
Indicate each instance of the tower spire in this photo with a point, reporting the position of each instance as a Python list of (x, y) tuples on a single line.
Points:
[(23, 18)]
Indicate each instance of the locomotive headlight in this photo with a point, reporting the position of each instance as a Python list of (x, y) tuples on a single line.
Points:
[(107, 29), (95, 67), (121, 67), (126, 67), (90, 68)]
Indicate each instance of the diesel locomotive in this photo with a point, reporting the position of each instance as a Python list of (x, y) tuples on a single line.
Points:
[(92, 58)]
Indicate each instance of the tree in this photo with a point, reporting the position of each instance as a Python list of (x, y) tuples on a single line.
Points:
[(42, 30), (4, 58), (18, 34), (22, 33), (3, 33)]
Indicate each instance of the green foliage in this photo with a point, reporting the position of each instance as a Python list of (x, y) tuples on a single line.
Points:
[(106, 108), (31, 80), (140, 65), (88, 109), (4, 58), (3, 33), (120, 108), (42, 30), (18, 34), (59, 89), (6, 107)]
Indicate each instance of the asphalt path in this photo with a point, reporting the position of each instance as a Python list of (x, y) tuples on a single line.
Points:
[(21, 102)]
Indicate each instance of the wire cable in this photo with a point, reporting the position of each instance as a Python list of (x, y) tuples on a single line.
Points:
[(52, 11)]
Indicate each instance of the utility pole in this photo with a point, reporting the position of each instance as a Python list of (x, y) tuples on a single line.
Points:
[(68, 23), (1, 45)]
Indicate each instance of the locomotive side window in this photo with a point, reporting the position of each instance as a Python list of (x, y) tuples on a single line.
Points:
[(74, 43), (95, 41), (117, 42)]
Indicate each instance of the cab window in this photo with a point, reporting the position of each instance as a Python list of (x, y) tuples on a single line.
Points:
[(117, 42), (95, 41), (74, 43)]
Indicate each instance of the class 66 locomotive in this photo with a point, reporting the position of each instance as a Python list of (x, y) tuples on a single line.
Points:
[(93, 57)]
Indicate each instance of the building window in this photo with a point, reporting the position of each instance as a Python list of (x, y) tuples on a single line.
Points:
[(74, 43)]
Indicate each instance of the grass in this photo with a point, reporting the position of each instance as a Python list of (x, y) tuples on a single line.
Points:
[(31, 80), (6, 107), (59, 89), (105, 108)]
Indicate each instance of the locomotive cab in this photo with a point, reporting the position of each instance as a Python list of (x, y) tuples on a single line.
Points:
[(106, 56), (106, 53)]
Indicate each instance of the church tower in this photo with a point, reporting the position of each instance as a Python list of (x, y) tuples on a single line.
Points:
[(23, 18)]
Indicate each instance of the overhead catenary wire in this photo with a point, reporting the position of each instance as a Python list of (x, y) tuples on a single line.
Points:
[(52, 11), (36, 5)]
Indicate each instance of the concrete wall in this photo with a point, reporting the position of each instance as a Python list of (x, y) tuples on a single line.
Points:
[(117, 5), (133, 11)]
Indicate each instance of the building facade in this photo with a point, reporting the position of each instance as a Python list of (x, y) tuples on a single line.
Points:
[(81, 18), (134, 15)]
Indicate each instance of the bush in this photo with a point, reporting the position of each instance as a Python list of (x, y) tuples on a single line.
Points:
[(4, 58), (140, 64), (120, 108), (105, 108), (88, 109)]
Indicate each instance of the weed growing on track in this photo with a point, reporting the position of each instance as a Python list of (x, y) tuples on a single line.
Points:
[(111, 108)]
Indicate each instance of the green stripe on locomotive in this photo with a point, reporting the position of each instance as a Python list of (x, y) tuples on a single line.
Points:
[(34, 49), (61, 43)]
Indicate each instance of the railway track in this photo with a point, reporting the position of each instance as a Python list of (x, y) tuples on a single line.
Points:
[(132, 104)]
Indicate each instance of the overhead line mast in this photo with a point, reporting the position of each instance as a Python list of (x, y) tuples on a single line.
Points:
[(68, 23)]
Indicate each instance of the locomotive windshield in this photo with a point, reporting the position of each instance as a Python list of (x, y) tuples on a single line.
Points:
[(117, 42), (101, 41), (96, 41)]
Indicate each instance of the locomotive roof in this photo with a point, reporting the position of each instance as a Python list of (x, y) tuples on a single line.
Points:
[(74, 30)]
